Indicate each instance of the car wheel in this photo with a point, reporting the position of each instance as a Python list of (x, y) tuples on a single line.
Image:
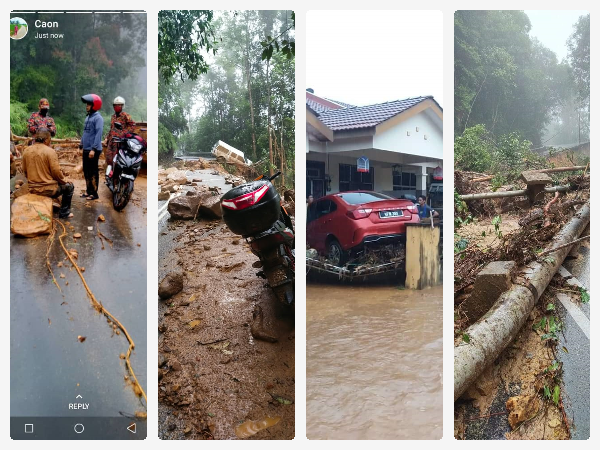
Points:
[(335, 253)]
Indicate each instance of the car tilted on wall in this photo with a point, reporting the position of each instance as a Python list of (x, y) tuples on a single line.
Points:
[(340, 225)]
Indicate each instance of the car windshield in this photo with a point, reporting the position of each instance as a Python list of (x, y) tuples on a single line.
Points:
[(357, 198)]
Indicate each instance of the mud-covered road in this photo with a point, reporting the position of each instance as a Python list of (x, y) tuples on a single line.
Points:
[(373, 362), (50, 367), (213, 375)]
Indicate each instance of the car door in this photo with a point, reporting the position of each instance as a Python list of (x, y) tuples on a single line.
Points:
[(318, 231)]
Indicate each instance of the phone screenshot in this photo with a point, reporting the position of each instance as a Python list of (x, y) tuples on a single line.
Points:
[(78, 246)]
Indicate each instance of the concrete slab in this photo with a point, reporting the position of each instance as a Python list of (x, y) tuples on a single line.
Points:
[(534, 177), (493, 280)]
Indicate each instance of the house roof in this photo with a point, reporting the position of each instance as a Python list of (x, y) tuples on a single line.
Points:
[(338, 116), (366, 116), (321, 104)]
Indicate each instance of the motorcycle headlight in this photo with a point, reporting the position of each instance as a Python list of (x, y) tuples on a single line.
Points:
[(134, 146)]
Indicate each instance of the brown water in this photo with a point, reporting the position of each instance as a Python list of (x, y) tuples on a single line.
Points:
[(373, 363)]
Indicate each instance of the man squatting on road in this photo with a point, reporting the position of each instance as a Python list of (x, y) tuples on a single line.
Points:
[(42, 170)]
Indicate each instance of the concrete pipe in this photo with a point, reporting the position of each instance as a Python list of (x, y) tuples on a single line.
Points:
[(485, 195), (491, 334)]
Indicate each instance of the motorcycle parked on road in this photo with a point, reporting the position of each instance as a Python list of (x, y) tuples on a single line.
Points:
[(125, 167), (254, 211)]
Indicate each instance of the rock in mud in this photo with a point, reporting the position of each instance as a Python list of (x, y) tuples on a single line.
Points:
[(170, 285), (521, 408), (257, 327), (210, 207), (162, 360), (183, 207)]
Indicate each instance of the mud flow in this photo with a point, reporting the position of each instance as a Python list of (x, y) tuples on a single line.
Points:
[(226, 346), (373, 362)]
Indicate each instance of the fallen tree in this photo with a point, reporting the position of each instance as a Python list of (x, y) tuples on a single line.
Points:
[(490, 335)]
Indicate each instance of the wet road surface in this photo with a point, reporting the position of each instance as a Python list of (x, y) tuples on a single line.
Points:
[(576, 363), (373, 363), (49, 366)]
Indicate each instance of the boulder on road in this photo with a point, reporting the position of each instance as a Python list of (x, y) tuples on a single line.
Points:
[(31, 215), (210, 207), (164, 195), (183, 207)]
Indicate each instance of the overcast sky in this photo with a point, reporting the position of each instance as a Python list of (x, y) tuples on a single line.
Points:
[(367, 57), (553, 28)]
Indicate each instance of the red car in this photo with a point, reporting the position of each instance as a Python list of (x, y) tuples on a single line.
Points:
[(343, 223)]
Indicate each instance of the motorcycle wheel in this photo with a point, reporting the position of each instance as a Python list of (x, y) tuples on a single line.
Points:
[(280, 278), (121, 193)]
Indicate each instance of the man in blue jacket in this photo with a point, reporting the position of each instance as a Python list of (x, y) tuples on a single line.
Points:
[(91, 143)]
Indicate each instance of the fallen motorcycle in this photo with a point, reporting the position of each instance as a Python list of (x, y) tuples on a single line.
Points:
[(254, 211)]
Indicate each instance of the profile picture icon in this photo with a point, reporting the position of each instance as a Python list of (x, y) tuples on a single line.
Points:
[(18, 28)]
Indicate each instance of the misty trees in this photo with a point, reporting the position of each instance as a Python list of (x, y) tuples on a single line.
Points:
[(509, 81), (579, 56), (102, 53), (245, 98)]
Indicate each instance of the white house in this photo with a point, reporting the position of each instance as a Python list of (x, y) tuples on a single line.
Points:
[(391, 147)]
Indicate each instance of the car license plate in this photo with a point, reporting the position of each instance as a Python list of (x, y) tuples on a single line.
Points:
[(390, 214)]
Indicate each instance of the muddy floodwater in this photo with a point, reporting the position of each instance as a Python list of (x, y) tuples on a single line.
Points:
[(373, 363)]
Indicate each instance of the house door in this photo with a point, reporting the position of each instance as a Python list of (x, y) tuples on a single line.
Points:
[(315, 179)]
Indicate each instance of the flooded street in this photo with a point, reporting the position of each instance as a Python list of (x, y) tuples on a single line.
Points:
[(49, 365), (374, 363)]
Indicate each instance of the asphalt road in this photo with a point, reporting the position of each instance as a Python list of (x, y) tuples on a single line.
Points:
[(575, 317), (50, 367)]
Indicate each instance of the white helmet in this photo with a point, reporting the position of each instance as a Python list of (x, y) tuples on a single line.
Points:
[(119, 101)]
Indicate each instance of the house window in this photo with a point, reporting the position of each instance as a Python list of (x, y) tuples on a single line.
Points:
[(404, 181), (352, 180)]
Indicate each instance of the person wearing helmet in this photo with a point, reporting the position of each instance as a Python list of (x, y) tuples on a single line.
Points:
[(41, 119), (127, 126), (91, 144)]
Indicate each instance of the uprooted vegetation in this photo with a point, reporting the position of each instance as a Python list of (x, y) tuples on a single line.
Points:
[(520, 394)]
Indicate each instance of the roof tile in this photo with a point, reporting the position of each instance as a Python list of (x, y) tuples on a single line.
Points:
[(365, 116)]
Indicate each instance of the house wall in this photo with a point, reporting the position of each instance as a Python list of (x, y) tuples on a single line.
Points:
[(395, 138), (383, 180)]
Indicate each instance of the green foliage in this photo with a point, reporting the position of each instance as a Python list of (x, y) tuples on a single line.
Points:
[(182, 35), (541, 324), (579, 56), (556, 395), (554, 327), (166, 141), (506, 156), (461, 211), (466, 338), (496, 221), (547, 393), (473, 150), (102, 54), (460, 243), (584, 295), (287, 47), (241, 97), (507, 80), (18, 118)]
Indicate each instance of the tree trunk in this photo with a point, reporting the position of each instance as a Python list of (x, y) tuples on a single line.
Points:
[(269, 123), (254, 158)]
